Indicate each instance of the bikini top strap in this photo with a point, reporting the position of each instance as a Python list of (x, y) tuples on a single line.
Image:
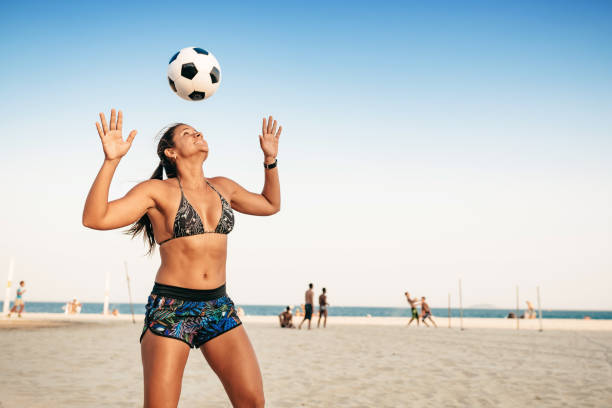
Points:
[(211, 186), (180, 185)]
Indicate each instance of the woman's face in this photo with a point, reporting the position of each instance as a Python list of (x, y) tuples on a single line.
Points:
[(189, 142)]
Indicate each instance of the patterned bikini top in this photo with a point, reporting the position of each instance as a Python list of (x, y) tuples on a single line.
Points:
[(187, 222)]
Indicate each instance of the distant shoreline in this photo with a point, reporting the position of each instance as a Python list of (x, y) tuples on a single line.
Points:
[(337, 311), (475, 307)]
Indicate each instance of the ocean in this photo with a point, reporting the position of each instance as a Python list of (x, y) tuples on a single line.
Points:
[(274, 310)]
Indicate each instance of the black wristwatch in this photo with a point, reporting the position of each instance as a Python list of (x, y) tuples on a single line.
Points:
[(271, 166)]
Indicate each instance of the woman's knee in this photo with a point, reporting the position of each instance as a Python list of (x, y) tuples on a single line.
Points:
[(257, 400), (253, 398)]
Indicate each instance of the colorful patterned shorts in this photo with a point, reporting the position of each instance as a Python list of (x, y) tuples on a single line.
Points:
[(190, 315)]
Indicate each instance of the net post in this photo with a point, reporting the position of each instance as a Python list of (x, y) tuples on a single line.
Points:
[(517, 307), (127, 276), (9, 281), (539, 309), (106, 294), (449, 312), (460, 306)]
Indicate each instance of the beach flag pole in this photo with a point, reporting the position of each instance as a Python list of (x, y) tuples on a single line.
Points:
[(106, 295), (127, 276), (539, 308), (449, 325), (517, 308), (460, 306), (7, 293)]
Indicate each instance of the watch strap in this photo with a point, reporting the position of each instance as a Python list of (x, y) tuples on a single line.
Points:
[(271, 165)]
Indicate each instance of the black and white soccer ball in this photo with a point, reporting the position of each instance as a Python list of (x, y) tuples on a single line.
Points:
[(194, 74)]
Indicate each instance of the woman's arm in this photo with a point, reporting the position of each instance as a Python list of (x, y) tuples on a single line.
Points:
[(98, 212), (269, 201)]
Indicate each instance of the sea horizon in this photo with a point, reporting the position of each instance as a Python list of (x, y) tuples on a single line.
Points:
[(374, 311)]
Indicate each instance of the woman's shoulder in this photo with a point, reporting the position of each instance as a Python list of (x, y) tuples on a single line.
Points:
[(156, 186), (157, 183), (225, 185), (221, 180)]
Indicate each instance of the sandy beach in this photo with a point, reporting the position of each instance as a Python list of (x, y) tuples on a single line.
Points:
[(94, 361)]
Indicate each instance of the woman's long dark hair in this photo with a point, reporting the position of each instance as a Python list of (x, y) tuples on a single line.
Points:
[(165, 163)]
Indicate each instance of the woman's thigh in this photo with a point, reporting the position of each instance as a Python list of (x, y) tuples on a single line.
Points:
[(163, 363), (232, 358)]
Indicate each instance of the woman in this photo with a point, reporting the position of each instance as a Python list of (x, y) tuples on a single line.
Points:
[(189, 216)]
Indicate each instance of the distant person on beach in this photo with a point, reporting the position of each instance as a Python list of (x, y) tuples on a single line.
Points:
[(426, 312), (309, 297), (189, 216), (285, 318), (74, 306), (413, 308), (323, 308), (70, 307), (530, 313), (18, 305)]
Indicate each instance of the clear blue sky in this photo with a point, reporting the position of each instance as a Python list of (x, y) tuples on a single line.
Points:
[(423, 142)]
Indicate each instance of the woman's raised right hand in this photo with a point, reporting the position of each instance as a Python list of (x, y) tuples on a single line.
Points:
[(112, 142)]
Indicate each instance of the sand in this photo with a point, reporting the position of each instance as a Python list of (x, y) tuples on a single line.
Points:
[(93, 361)]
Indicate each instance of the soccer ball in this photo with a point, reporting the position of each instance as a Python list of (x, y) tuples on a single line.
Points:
[(194, 74)]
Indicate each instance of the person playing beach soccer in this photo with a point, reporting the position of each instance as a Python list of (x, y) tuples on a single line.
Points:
[(426, 312), (189, 216), (413, 308)]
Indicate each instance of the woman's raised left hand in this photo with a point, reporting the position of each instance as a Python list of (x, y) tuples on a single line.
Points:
[(268, 139)]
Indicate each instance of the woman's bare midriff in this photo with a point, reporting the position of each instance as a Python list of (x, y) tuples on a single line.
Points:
[(194, 262)]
